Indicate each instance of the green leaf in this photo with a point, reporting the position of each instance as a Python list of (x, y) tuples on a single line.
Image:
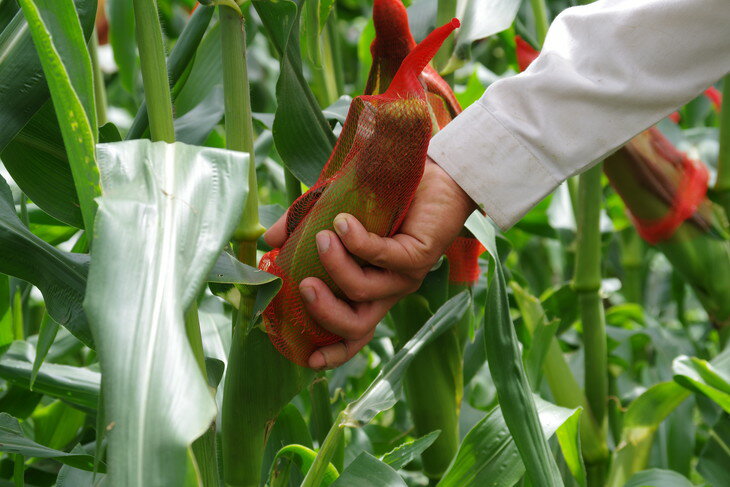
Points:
[(381, 394), (6, 315), (179, 60), (13, 440), (542, 330), (302, 457), (7, 12), (36, 159), (481, 19), (651, 408), (434, 381), (196, 125), (57, 424), (73, 477), (569, 439), (404, 454), (57, 35), (75, 385), (122, 39), (230, 270), (165, 213), (289, 429), (206, 72), (639, 425), (700, 376), (46, 336), (60, 276), (510, 380), (714, 461), (488, 454), (368, 471), (301, 133), (23, 88), (658, 478)]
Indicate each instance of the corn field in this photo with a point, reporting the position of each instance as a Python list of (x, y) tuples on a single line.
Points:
[(150, 336)]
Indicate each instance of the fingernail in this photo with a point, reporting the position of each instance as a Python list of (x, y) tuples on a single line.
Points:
[(317, 361), (323, 242), (308, 294), (340, 224)]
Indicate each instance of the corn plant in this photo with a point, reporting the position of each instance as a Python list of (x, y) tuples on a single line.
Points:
[(145, 145)]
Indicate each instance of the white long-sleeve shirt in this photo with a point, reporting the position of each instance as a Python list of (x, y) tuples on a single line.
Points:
[(607, 71)]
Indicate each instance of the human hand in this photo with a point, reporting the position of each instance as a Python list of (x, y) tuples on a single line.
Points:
[(395, 266)]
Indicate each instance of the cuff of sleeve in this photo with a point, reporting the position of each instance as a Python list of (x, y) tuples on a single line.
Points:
[(491, 165)]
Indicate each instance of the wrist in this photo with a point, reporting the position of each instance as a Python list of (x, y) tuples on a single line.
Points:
[(464, 204)]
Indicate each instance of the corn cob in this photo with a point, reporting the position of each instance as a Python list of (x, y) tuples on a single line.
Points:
[(665, 193), (372, 174)]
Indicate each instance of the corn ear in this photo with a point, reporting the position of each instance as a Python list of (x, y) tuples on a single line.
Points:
[(647, 173)]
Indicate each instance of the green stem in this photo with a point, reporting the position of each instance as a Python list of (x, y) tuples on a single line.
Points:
[(722, 185), (587, 284), (326, 453), (239, 469), (445, 11), (632, 256), (180, 58), (539, 10), (18, 470), (242, 443), (99, 88), (239, 125), (203, 448), (154, 70)]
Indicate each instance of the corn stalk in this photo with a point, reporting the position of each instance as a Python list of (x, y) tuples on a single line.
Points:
[(259, 381), (433, 383), (587, 284), (155, 78), (154, 70)]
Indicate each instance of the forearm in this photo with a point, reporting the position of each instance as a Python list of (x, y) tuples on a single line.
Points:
[(607, 71)]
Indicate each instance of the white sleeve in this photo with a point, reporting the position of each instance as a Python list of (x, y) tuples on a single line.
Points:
[(607, 71)]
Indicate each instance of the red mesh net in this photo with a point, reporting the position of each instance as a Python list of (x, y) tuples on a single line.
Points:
[(689, 194), (393, 41), (525, 53), (372, 174), (662, 187), (463, 255)]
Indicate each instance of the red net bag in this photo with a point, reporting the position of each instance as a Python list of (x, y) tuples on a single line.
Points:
[(372, 174), (525, 53), (463, 255), (393, 41), (667, 187)]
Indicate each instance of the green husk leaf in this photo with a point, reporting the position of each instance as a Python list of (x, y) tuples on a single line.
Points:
[(166, 211)]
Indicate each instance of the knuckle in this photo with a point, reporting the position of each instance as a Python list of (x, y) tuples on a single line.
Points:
[(379, 259), (358, 294)]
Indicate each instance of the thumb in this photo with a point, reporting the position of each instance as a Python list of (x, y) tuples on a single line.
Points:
[(275, 236)]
